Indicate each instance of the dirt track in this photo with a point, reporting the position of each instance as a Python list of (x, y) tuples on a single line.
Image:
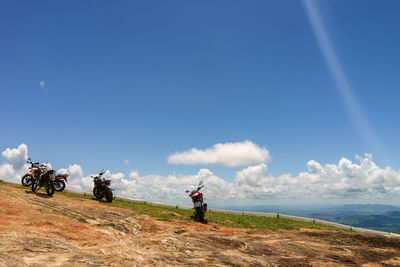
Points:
[(66, 231)]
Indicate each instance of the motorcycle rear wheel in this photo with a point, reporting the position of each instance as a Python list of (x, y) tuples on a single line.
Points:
[(26, 180), (59, 185)]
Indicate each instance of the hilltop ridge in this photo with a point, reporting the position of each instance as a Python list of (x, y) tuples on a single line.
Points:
[(71, 231)]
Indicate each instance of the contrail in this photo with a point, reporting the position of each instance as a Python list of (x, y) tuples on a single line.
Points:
[(353, 107)]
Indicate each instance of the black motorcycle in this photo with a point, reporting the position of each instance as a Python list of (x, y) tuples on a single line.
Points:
[(45, 179), (197, 198), (101, 187)]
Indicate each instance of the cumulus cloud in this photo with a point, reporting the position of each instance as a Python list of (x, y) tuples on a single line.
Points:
[(15, 165), (6, 171), (16, 156), (251, 175), (360, 180), (347, 180), (227, 154), (133, 174), (117, 176), (171, 188), (74, 170)]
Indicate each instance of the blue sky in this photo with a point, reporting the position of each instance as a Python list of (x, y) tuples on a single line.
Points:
[(97, 82)]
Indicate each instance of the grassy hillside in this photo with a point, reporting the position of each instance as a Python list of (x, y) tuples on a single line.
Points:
[(228, 220)]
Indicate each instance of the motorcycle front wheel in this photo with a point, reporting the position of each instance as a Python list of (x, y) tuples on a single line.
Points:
[(59, 185), (26, 180), (200, 213), (97, 193), (50, 189), (35, 185), (109, 195)]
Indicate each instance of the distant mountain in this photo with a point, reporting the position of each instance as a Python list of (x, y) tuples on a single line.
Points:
[(372, 216), (362, 209), (388, 221), (359, 209)]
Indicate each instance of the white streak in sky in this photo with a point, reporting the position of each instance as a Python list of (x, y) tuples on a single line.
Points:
[(353, 107)]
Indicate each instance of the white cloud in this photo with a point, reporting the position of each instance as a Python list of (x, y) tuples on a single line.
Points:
[(15, 165), (354, 181), (74, 170), (6, 171), (117, 176), (171, 188), (16, 156), (251, 175), (346, 180), (133, 174), (227, 154)]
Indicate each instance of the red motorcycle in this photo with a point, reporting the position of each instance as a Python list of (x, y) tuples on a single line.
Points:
[(35, 170), (59, 182), (197, 198)]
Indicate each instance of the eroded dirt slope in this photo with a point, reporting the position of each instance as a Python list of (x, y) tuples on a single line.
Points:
[(66, 231)]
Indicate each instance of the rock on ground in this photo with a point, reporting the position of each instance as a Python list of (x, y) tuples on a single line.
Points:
[(66, 231)]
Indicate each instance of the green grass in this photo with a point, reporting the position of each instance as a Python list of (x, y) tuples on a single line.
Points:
[(216, 219), (161, 213), (83, 220), (210, 260), (74, 195)]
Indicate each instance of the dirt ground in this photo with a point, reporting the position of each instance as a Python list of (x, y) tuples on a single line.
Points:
[(65, 231)]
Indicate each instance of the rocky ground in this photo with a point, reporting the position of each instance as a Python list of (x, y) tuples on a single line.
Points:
[(67, 231)]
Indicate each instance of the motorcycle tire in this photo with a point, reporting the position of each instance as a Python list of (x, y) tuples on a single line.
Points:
[(97, 194), (200, 214), (26, 180), (50, 189), (109, 195), (35, 185), (59, 185)]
